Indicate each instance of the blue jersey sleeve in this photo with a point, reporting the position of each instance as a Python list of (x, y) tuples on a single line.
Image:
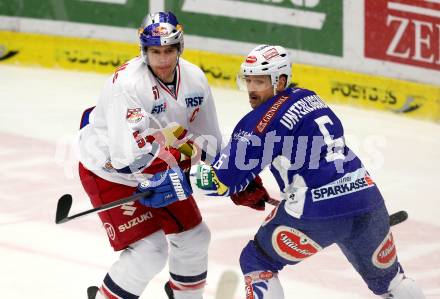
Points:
[(238, 164), (253, 144)]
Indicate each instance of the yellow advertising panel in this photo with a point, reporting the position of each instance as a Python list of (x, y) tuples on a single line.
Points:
[(355, 89), (408, 98), (64, 52)]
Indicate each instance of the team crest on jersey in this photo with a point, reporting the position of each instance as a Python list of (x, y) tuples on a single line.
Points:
[(271, 53), (292, 244), (134, 115), (385, 255)]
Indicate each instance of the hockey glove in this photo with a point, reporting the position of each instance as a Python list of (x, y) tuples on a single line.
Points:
[(254, 196), (206, 179), (168, 186)]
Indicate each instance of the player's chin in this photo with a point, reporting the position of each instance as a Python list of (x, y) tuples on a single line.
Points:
[(164, 73), (165, 70), (254, 102)]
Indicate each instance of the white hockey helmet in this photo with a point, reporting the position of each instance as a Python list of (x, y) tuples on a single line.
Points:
[(267, 60), (160, 29)]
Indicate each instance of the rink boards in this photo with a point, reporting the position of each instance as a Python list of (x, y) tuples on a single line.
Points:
[(337, 86)]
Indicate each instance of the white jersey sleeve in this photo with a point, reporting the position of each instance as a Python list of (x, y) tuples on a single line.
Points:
[(109, 142), (124, 117)]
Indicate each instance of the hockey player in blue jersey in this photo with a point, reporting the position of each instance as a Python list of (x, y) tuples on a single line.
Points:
[(327, 194)]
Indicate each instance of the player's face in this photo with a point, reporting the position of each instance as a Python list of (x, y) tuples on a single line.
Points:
[(259, 89), (163, 61)]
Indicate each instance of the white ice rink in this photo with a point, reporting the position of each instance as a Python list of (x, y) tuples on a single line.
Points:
[(40, 113)]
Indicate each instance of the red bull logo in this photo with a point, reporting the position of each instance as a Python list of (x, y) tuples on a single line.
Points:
[(160, 31)]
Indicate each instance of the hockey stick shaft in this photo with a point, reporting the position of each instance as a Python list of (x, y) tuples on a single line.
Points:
[(395, 218), (65, 202)]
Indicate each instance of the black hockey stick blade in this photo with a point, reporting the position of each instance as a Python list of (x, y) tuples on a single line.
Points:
[(398, 217), (65, 203), (63, 208), (91, 292)]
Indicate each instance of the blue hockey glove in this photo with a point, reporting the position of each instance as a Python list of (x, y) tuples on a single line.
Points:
[(168, 186)]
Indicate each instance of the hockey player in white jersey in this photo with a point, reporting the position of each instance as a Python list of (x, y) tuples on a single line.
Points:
[(125, 147)]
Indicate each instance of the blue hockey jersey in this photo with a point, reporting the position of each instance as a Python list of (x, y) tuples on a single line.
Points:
[(302, 141)]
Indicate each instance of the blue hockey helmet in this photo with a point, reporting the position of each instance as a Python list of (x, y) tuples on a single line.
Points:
[(160, 29)]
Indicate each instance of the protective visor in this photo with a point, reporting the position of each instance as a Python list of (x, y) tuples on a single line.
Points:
[(253, 83)]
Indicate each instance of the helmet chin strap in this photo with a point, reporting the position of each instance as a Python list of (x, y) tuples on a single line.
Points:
[(275, 84), (144, 56), (177, 63)]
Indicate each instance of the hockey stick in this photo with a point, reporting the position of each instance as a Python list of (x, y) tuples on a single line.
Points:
[(395, 218), (65, 203), (398, 217)]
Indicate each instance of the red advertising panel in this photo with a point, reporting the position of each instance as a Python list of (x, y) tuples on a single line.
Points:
[(404, 31)]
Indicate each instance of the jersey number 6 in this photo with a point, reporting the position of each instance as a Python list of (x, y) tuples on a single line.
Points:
[(335, 147)]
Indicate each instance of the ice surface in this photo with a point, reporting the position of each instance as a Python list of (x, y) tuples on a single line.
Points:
[(40, 114)]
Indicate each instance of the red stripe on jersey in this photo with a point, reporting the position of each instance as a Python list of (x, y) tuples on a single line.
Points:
[(164, 87), (178, 81), (181, 287)]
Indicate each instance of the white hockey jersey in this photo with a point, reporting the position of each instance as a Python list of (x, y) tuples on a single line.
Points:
[(133, 100)]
